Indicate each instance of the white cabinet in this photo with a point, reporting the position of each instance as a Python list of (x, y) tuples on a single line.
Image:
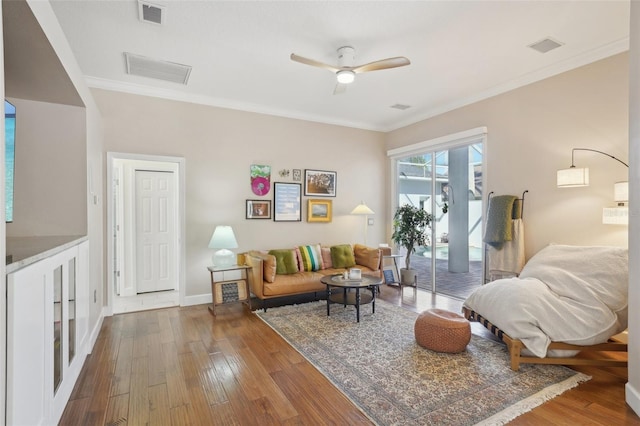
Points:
[(47, 335)]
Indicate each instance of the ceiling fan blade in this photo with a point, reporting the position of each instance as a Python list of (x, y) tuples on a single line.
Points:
[(383, 64), (313, 63), (340, 88)]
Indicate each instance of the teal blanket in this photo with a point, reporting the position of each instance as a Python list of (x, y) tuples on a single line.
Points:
[(499, 215)]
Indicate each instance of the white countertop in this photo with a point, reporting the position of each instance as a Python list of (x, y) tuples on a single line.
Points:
[(23, 251)]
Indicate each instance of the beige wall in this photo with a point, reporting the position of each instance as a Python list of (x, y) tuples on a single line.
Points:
[(50, 170), (219, 145), (531, 131)]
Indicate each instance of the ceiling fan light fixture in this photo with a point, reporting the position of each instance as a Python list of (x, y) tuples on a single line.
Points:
[(345, 76)]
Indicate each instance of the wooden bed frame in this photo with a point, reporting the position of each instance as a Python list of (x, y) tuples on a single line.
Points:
[(515, 347)]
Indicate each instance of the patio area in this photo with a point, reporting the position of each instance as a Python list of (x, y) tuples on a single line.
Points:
[(454, 284)]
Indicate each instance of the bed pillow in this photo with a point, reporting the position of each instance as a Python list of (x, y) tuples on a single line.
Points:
[(342, 256), (311, 257), (326, 258), (367, 256), (286, 262)]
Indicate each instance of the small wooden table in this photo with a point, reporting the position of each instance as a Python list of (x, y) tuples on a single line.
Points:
[(345, 297), (230, 290)]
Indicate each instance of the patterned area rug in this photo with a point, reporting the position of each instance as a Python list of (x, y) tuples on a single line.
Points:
[(381, 368)]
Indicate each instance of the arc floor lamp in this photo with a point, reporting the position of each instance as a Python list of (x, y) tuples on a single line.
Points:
[(579, 176)]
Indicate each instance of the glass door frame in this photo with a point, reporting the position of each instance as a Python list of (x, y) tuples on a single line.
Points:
[(444, 143)]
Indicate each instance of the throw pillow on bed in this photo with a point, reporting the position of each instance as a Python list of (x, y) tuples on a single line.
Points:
[(342, 256), (311, 257), (286, 262)]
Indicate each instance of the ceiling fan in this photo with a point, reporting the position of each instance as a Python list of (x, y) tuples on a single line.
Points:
[(345, 71)]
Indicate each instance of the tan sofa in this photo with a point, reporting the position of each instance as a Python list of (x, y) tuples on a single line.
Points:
[(266, 284)]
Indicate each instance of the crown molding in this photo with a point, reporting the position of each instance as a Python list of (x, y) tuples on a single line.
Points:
[(175, 95), (577, 61)]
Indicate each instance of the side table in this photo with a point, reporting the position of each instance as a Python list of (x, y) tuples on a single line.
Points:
[(230, 290)]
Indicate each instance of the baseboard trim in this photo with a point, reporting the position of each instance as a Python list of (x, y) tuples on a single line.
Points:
[(199, 299), (96, 330), (633, 398)]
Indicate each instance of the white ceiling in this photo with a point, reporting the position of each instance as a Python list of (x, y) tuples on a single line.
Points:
[(460, 51)]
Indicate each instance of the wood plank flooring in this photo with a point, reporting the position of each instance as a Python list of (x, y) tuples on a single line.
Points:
[(182, 366)]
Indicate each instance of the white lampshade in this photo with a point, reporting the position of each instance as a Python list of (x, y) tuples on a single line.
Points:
[(615, 215), (572, 177), (362, 208), (621, 192), (345, 76), (224, 239)]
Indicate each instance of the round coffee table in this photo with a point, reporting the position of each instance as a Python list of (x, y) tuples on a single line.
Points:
[(345, 297)]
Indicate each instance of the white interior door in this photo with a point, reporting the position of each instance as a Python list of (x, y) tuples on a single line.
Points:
[(156, 231)]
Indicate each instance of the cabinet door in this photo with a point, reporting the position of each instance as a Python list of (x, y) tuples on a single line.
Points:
[(45, 341), (29, 339)]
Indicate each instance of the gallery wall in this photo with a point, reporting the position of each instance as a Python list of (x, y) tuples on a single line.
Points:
[(531, 131), (220, 145)]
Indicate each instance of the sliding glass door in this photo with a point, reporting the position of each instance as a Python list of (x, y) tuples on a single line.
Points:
[(448, 184)]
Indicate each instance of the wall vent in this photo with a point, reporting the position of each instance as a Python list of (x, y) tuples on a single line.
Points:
[(154, 68), (151, 12), (545, 45)]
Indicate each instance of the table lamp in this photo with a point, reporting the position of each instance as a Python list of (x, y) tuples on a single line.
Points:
[(224, 239)]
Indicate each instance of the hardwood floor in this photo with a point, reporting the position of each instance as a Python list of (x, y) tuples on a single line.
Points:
[(180, 366)]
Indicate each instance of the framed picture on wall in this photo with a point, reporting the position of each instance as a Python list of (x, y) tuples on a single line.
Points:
[(258, 209), (287, 201), (319, 210), (320, 183)]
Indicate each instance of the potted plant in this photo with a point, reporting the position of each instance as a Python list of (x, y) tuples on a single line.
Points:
[(410, 226)]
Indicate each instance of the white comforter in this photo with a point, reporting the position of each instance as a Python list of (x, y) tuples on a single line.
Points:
[(568, 294)]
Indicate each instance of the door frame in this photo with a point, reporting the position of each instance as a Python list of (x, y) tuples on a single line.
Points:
[(179, 162), (454, 140)]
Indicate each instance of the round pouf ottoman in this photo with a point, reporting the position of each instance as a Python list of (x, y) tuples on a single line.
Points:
[(442, 331)]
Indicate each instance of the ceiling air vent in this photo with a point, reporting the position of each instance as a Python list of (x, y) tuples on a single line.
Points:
[(154, 68), (401, 107), (545, 45), (151, 12)]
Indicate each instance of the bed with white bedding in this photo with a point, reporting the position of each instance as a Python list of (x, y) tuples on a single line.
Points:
[(566, 299)]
